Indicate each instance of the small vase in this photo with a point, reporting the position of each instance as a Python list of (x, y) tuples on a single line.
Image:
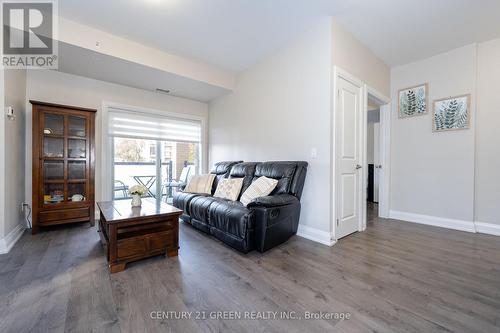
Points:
[(136, 200)]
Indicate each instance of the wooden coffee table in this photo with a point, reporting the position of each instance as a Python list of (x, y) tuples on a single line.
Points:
[(131, 234)]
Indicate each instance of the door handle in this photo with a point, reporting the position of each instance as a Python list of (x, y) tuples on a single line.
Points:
[(378, 167), (358, 166)]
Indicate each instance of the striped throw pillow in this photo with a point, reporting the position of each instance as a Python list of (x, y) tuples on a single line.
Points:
[(260, 188), (201, 184)]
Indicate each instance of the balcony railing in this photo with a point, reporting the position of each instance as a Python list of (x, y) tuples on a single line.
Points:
[(127, 174)]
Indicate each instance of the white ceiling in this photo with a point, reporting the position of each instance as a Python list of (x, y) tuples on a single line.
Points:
[(234, 34), (403, 31)]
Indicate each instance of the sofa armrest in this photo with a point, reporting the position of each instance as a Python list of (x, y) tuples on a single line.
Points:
[(273, 201), (276, 220)]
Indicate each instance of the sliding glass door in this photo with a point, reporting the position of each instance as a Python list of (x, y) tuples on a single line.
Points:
[(157, 152)]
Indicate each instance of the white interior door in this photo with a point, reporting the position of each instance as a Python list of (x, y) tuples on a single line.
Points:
[(376, 160), (348, 155)]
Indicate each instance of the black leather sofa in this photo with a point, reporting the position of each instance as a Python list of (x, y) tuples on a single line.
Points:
[(266, 222)]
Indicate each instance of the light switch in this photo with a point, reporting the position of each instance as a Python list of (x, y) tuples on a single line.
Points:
[(314, 152)]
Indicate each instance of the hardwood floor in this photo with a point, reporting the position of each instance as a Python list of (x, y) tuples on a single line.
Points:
[(394, 277)]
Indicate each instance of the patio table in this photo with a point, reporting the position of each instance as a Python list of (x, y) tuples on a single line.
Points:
[(147, 181)]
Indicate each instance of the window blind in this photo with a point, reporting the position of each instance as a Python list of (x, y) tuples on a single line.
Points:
[(152, 126)]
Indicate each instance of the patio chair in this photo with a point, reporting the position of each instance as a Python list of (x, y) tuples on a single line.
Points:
[(186, 173), (120, 186)]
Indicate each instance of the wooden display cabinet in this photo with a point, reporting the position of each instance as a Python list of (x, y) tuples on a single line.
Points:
[(63, 164)]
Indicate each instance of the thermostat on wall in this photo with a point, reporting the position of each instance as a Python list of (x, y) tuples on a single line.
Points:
[(10, 113)]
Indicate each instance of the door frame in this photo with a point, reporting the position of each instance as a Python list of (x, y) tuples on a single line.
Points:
[(385, 147), (384, 103)]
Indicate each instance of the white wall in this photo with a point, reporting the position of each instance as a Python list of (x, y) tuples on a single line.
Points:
[(488, 134), (433, 173), (61, 88), (354, 57), (279, 110), (2, 156), (14, 151)]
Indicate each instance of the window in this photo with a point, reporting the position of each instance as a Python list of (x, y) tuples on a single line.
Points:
[(152, 150)]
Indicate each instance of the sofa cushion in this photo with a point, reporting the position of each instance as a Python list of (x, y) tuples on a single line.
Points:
[(281, 171), (231, 217), (198, 207), (181, 200), (244, 170), (221, 170)]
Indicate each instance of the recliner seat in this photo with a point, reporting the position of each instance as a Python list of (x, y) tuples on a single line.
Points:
[(266, 222)]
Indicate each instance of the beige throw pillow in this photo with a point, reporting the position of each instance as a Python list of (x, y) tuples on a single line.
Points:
[(201, 184), (229, 188), (259, 188)]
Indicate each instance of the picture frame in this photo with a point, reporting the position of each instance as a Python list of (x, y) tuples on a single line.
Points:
[(413, 101), (451, 113)]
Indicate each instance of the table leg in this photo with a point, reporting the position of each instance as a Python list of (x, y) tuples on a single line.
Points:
[(113, 243), (172, 253), (116, 268)]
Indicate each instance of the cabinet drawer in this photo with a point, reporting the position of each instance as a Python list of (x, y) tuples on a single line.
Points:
[(143, 245), (60, 215)]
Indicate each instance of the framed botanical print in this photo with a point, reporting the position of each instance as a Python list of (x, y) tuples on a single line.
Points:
[(413, 101), (451, 113)]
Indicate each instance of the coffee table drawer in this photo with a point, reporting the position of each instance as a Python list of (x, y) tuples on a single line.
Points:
[(139, 246)]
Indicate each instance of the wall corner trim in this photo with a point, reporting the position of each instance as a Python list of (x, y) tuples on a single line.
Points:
[(8, 241), (442, 222), (488, 228), (315, 235)]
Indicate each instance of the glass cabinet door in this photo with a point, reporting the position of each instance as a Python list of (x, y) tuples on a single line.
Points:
[(64, 158), (77, 126), (53, 132), (53, 171), (76, 170), (53, 193), (76, 192), (53, 124), (53, 177), (53, 147), (77, 148)]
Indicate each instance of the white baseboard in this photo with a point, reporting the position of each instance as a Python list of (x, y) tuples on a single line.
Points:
[(433, 220), (315, 235), (8, 241), (488, 228)]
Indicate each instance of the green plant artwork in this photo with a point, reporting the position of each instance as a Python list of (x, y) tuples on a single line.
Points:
[(451, 113), (413, 101)]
